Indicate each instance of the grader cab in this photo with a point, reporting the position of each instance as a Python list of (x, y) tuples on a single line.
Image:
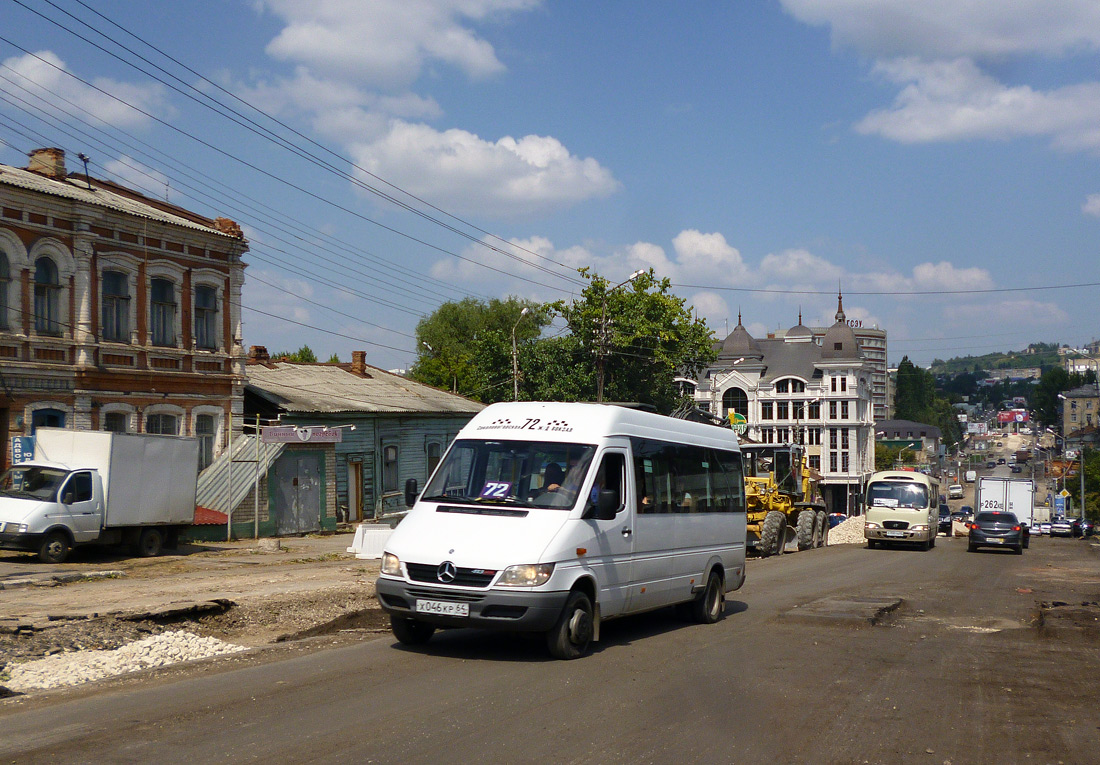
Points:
[(783, 499)]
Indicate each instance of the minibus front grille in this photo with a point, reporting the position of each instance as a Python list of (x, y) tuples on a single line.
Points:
[(449, 595), (895, 524), (508, 512), (463, 577)]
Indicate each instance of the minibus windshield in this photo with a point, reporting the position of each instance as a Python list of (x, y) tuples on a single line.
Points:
[(518, 473), (913, 496)]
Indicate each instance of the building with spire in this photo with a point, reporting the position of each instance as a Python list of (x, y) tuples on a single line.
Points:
[(804, 388)]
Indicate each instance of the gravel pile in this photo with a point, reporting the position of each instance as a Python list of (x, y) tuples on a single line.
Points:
[(848, 532), (65, 669)]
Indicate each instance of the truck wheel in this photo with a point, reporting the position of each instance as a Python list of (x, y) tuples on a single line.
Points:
[(824, 528), (773, 535), (54, 548), (871, 544), (149, 543), (570, 637), (707, 608), (818, 530), (410, 631), (804, 531)]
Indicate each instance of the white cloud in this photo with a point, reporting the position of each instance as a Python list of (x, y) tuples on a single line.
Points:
[(954, 100), (1092, 205), (466, 174), (799, 267), (1008, 313), (708, 256), (950, 28), (44, 74), (387, 44)]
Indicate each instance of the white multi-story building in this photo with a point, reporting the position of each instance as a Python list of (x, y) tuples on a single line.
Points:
[(817, 392)]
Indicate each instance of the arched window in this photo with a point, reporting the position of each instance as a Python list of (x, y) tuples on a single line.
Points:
[(163, 312), (47, 289), (206, 318), (5, 280), (790, 385), (116, 307), (735, 400)]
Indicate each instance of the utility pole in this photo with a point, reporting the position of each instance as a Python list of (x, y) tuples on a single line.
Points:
[(601, 349), (515, 357)]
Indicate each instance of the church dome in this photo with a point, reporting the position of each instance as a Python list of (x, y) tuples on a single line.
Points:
[(739, 343), (840, 341)]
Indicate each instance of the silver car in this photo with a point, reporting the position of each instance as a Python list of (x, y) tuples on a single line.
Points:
[(1061, 527)]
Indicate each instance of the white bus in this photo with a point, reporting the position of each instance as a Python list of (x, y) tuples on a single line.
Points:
[(901, 506), (551, 518)]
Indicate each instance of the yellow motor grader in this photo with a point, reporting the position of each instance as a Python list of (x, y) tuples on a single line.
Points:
[(783, 499)]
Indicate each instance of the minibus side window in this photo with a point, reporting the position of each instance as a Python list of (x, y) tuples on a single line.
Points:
[(610, 475)]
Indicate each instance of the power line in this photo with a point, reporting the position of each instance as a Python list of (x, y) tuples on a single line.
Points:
[(989, 290), (282, 181), (252, 126)]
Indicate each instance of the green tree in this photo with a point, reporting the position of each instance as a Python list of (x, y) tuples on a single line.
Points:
[(334, 359), (303, 355), (466, 346), (643, 335), (915, 399), (1045, 400), (885, 457)]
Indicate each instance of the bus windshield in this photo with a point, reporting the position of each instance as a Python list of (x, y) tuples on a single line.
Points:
[(515, 473), (913, 496)]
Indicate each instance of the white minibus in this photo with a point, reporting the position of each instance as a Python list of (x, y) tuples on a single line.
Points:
[(552, 518), (902, 506)]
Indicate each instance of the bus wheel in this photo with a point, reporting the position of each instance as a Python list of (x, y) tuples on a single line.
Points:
[(570, 637), (410, 631)]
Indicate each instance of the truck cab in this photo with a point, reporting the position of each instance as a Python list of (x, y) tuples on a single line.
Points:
[(49, 508)]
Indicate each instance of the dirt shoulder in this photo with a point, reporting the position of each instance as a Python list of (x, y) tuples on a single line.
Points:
[(244, 592)]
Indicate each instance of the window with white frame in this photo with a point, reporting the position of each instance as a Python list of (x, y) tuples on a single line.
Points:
[(844, 463), (781, 410), (204, 431), (47, 296), (813, 437), (815, 462), (832, 463), (116, 307), (815, 410), (389, 468), (766, 410), (843, 410), (832, 410), (206, 318), (162, 312)]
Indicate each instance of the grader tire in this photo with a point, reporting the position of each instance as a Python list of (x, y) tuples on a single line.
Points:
[(824, 528), (773, 535), (819, 529), (804, 531)]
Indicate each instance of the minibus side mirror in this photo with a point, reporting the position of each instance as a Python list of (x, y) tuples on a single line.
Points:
[(607, 505), (410, 492), (67, 497)]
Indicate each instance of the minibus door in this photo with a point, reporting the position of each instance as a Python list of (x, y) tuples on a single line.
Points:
[(612, 558)]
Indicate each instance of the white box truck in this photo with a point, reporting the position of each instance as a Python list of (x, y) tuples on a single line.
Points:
[(1012, 495), (971, 476), (96, 487)]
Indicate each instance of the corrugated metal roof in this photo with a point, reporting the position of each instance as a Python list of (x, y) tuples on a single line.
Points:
[(214, 491), (334, 389), (77, 191)]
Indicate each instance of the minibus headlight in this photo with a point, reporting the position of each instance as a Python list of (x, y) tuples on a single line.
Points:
[(391, 564), (919, 527), (871, 525), (526, 575)]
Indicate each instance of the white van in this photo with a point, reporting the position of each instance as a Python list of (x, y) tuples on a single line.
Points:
[(549, 517)]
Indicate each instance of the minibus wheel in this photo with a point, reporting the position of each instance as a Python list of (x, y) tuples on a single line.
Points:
[(571, 635), (410, 631), (707, 608)]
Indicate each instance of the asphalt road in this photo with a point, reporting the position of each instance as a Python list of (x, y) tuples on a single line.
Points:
[(961, 672)]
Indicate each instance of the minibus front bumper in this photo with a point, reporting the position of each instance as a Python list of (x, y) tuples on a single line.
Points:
[(896, 535), (519, 610)]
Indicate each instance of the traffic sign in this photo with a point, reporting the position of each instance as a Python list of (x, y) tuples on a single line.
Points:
[(1063, 493)]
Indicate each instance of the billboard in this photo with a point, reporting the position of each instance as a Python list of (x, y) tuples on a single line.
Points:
[(1012, 415)]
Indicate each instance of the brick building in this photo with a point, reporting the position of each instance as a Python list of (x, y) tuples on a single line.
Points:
[(117, 311)]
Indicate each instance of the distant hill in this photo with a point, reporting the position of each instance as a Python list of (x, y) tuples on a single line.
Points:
[(1035, 355)]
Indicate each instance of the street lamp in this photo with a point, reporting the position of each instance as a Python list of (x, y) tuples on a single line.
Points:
[(714, 385), (515, 357), (603, 333)]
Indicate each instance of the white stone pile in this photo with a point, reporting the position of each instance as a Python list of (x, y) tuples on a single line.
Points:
[(65, 669), (847, 532)]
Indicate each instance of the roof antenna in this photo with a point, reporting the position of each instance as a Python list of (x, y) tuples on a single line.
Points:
[(84, 158)]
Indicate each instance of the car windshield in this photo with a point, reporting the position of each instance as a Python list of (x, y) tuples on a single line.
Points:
[(897, 494), (516, 473), (32, 482)]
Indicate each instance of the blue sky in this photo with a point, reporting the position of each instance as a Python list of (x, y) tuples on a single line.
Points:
[(937, 159)]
